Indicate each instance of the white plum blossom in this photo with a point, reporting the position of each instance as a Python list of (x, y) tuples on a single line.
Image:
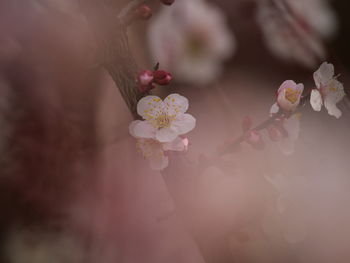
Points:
[(294, 29), (329, 90), (163, 120), (288, 96), (191, 40), (155, 151)]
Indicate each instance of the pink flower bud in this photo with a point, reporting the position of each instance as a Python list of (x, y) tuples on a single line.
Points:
[(167, 2), (145, 81), (254, 138), (162, 77), (145, 78), (185, 142), (143, 12), (247, 123)]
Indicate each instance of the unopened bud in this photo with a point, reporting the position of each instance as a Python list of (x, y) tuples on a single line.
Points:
[(185, 142), (145, 81), (162, 77), (254, 138), (145, 77), (144, 12)]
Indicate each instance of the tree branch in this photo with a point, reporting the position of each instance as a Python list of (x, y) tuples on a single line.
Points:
[(112, 41), (263, 125)]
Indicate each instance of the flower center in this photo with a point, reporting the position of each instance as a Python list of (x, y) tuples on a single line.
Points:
[(333, 87), (196, 43), (163, 121), (292, 95)]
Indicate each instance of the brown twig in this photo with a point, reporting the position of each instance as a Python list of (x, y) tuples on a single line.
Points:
[(263, 125), (112, 41)]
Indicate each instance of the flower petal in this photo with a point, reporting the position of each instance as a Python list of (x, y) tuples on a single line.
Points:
[(334, 94), (286, 84), (143, 129), (166, 134), (149, 106), (316, 100), (274, 109), (324, 74), (289, 94), (287, 146), (332, 109), (175, 104), (175, 145), (132, 127), (184, 124), (158, 163)]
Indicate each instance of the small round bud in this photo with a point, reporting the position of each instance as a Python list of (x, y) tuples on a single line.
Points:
[(145, 77), (186, 143), (143, 12), (254, 138), (167, 2), (162, 77), (145, 81)]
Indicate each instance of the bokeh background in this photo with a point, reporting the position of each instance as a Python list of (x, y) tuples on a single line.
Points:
[(73, 188)]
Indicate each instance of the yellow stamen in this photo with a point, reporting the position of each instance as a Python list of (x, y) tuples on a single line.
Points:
[(163, 121), (292, 95)]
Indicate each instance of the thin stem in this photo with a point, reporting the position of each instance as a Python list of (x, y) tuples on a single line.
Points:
[(112, 40), (263, 125)]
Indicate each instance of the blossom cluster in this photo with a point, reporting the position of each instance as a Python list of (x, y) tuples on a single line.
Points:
[(163, 124), (200, 40), (286, 123)]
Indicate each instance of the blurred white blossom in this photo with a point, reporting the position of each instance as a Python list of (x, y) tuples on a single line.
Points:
[(191, 40), (295, 29), (329, 90), (154, 151), (163, 120)]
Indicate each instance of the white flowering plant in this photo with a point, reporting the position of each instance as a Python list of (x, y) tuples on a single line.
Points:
[(194, 50), (189, 41)]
